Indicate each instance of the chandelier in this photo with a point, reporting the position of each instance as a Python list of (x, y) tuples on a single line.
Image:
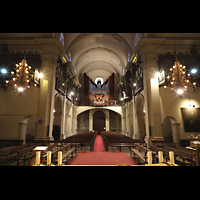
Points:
[(178, 80), (22, 77)]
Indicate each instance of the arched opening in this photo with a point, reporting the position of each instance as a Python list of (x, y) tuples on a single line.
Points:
[(27, 129), (83, 121), (99, 122), (57, 119), (170, 129), (114, 121), (140, 117)]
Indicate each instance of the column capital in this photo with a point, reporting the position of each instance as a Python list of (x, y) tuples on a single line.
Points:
[(149, 60), (50, 59)]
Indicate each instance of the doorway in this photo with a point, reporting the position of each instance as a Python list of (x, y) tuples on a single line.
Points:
[(170, 129), (27, 130), (99, 122)]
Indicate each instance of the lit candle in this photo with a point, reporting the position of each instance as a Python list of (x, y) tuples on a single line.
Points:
[(160, 156), (149, 156), (37, 158), (171, 157), (48, 158), (59, 158)]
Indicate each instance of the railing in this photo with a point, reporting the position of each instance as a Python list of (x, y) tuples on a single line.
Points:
[(100, 104)]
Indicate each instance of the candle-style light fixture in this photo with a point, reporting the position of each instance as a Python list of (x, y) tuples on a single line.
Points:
[(178, 80), (22, 77)]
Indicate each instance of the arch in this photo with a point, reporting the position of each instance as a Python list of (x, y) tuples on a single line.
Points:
[(99, 79), (114, 121), (116, 109), (139, 103), (83, 121), (27, 129), (99, 123), (170, 129), (58, 103)]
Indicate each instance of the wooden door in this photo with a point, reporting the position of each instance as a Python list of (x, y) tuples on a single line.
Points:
[(99, 122)]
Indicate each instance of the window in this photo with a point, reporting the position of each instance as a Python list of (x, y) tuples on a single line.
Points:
[(99, 79), (70, 56), (62, 39), (123, 70)]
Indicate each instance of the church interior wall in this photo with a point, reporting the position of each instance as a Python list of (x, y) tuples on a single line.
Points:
[(15, 108), (171, 105)]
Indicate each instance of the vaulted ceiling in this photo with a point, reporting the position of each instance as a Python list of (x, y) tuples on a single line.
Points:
[(99, 54)]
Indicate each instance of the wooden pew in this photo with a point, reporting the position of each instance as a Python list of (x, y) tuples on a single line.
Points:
[(68, 153), (113, 139), (140, 151), (184, 155), (25, 153), (55, 152), (161, 143), (81, 139), (7, 143), (155, 150), (9, 153)]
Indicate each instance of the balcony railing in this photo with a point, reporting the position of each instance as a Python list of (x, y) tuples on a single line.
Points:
[(100, 104)]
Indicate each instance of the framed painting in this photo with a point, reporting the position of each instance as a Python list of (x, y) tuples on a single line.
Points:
[(191, 119)]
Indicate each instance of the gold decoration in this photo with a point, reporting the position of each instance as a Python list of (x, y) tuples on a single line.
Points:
[(21, 77), (178, 80)]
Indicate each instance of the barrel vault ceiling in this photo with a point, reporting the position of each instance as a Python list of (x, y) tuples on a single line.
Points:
[(99, 54)]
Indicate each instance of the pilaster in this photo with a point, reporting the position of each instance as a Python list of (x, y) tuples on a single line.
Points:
[(46, 97), (152, 100), (91, 112)]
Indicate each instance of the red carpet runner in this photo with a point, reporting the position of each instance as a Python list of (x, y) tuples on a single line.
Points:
[(100, 157), (98, 145)]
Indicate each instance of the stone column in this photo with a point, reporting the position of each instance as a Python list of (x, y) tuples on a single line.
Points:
[(63, 121), (123, 120), (152, 101), (46, 97), (129, 114), (74, 119), (91, 112), (107, 116)]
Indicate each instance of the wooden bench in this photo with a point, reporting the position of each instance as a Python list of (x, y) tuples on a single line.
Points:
[(120, 145), (184, 155), (137, 152), (9, 153), (7, 143), (68, 153), (113, 139), (161, 143), (82, 139), (51, 146), (55, 152), (25, 153), (155, 150)]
